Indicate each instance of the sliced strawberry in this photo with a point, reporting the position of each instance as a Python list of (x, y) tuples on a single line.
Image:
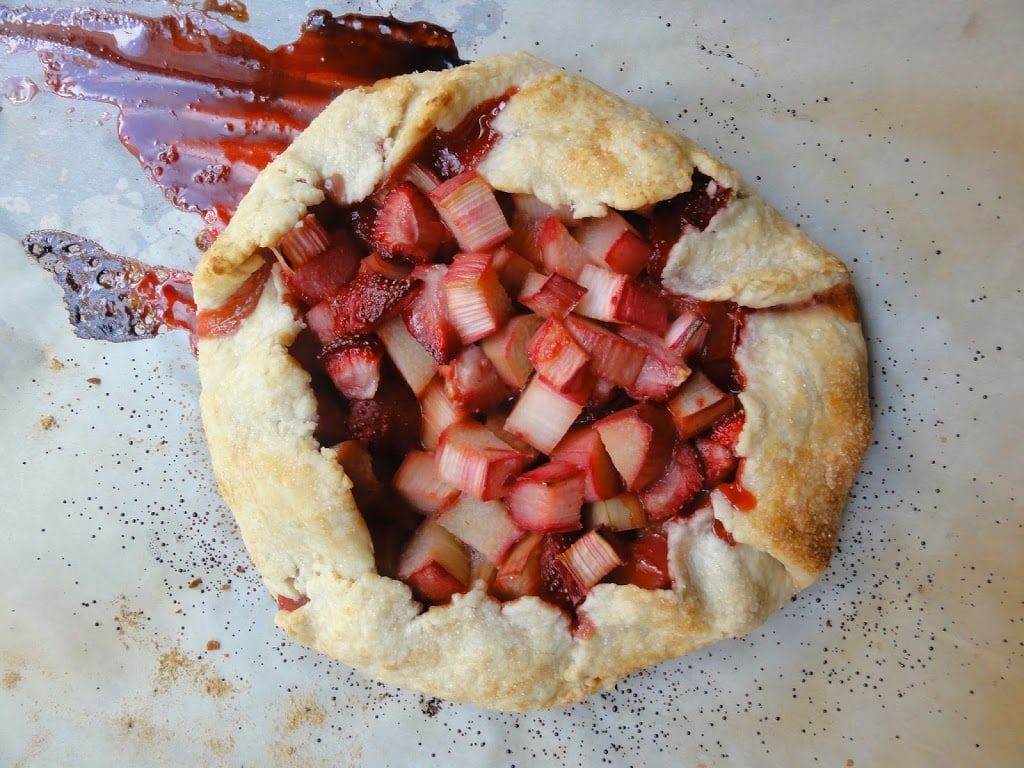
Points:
[(439, 412), (375, 264), (590, 558), (559, 250), (727, 431), (617, 298), (718, 460), (419, 484), (483, 525), (555, 354), (543, 414), (624, 512), (646, 561), (323, 275), (435, 564), (475, 300), (698, 404), (610, 239), (547, 498), (582, 447), (391, 419), (550, 296), (353, 363), (472, 381), (360, 306), (663, 370), (687, 334), (466, 203), (415, 364), (558, 586), (305, 241), (408, 227), (639, 441), (506, 349), (612, 358), (475, 460), (677, 485), (519, 573), (426, 317)]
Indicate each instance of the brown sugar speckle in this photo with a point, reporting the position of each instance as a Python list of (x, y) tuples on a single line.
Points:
[(93, 380), (213, 645), (47, 422), (10, 680), (195, 583), (175, 666), (56, 365)]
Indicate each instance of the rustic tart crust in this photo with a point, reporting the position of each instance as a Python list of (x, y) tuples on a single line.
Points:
[(568, 142)]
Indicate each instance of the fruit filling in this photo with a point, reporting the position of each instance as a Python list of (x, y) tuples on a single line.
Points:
[(519, 401)]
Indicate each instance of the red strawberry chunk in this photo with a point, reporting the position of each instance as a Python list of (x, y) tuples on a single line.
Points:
[(354, 366), (727, 431), (466, 203), (305, 241), (475, 300), (555, 354), (582, 447), (391, 419), (360, 306), (551, 295), (612, 358), (408, 227), (475, 460), (547, 498), (484, 525), (435, 564), (325, 274), (590, 558), (611, 240), (718, 460), (559, 250), (639, 441), (646, 561), (375, 264), (520, 572), (419, 484), (543, 414), (678, 484), (426, 317), (506, 349), (698, 404), (472, 381), (558, 585)]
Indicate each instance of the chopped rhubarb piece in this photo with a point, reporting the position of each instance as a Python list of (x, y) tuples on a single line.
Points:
[(506, 349), (426, 317), (646, 561), (639, 441), (439, 413), (422, 177), (305, 241), (619, 299), (550, 296), (519, 573), (472, 381), (416, 365), (375, 264), (590, 558), (475, 300), (483, 525), (468, 206), (419, 484), (559, 250), (612, 358), (555, 354), (323, 275), (435, 564), (677, 485), (699, 404), (495, 422), (542, 414), (475, 460), (548, 498), (582, 447), (623, 512), (687, 334), (408, 227), (718, 460), (354, 366), (360, 306), (512, 268), (663, 370), (610, 239)]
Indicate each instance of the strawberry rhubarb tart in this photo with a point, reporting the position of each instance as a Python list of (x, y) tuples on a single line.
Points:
[(513, 390)]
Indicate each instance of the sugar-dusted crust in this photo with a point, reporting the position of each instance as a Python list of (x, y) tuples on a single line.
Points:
[(569, 143)]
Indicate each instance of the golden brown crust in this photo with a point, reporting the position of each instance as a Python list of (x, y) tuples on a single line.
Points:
[(569, 143)]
